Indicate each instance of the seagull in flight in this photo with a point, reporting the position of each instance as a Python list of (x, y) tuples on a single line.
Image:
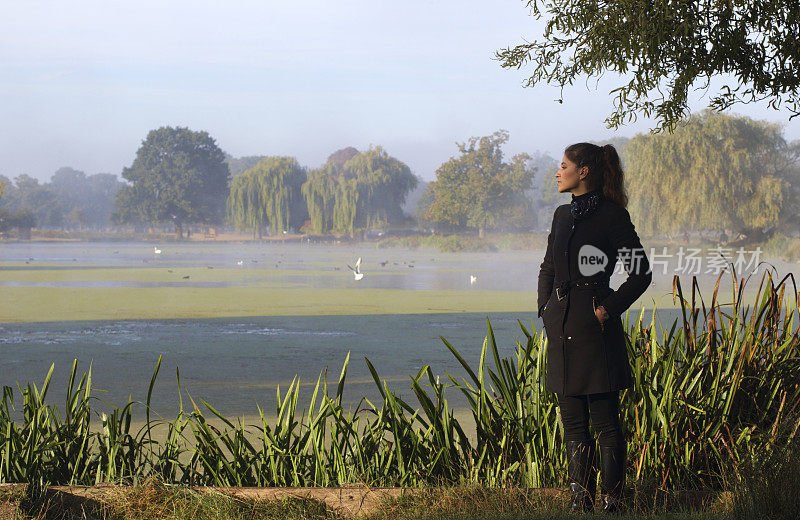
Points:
[(156, 250), (472, 279), (357, 274)]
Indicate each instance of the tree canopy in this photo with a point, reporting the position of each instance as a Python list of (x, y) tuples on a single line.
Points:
[(714, 172), (179, 176), (268, 195), (664, 48), (357, 191), (38, 202), (478, 189)]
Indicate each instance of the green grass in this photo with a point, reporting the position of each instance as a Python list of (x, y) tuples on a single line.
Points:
[(266, 294), (68, 303)]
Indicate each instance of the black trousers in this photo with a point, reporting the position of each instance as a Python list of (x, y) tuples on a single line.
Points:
[(604, 411)]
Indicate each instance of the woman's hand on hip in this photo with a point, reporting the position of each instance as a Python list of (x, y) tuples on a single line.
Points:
[(601, 314)]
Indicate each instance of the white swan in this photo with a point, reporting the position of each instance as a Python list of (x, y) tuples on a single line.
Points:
[(156, 250), (357, 274)]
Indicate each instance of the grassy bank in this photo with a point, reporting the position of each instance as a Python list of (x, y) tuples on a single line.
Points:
[(66, 303)]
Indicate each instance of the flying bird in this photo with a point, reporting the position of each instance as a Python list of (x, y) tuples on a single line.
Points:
[(472, 279), (357, 274), (156, 250)]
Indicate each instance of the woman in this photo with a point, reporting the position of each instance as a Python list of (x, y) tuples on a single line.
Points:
[(587, 360)]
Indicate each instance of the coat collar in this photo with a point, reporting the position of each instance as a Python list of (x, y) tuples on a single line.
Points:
[(583, 205)]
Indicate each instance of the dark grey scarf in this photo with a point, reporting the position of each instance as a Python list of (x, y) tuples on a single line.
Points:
[(584, 205)]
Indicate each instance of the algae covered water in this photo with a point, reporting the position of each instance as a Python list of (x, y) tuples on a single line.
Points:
[(235, 362)]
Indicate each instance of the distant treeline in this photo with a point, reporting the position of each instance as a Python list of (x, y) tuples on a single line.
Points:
[(71, 200), (714, 172)]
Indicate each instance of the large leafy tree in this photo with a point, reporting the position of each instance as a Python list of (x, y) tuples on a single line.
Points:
[(179, 176), (268, 194), (663, 49), (357, 191), (479, 189), (713, 172)]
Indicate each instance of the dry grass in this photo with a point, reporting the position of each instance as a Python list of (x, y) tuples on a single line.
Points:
[(155, 499)]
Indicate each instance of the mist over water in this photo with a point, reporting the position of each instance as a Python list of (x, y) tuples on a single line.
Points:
[(307, 265)]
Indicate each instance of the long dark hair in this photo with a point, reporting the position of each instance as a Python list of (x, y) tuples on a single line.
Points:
[(605, 169)]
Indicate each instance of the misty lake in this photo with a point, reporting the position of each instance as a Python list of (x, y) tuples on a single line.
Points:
[(235, 361)]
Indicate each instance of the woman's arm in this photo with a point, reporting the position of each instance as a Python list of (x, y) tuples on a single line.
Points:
[(547, 272), (627, 243)]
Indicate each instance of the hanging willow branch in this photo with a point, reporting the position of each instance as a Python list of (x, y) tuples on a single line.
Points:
[(268, 196)]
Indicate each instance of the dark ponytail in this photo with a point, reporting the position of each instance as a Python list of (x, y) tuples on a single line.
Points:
[(605, 169), (613, 179)]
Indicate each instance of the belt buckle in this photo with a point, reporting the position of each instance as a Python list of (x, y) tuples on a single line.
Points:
[(558, 294)]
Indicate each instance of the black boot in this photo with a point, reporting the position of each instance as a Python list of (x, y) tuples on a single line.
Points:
[(582, 475), (612, 474)]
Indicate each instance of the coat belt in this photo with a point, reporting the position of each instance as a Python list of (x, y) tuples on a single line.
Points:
[(562, 287)]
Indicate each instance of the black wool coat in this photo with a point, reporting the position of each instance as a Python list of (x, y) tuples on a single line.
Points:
[(583, 355)]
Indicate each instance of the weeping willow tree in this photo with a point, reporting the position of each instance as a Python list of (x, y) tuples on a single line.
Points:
[(319, 192), (346, 205), (268, 196), (715, 171), (357, 191)]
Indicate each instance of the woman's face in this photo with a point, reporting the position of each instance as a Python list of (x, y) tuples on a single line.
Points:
[(568, 177)]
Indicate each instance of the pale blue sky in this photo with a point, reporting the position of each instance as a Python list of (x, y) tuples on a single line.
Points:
[(82, 82)]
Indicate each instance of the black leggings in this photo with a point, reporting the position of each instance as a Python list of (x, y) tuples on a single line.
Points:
[(604, 410)]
